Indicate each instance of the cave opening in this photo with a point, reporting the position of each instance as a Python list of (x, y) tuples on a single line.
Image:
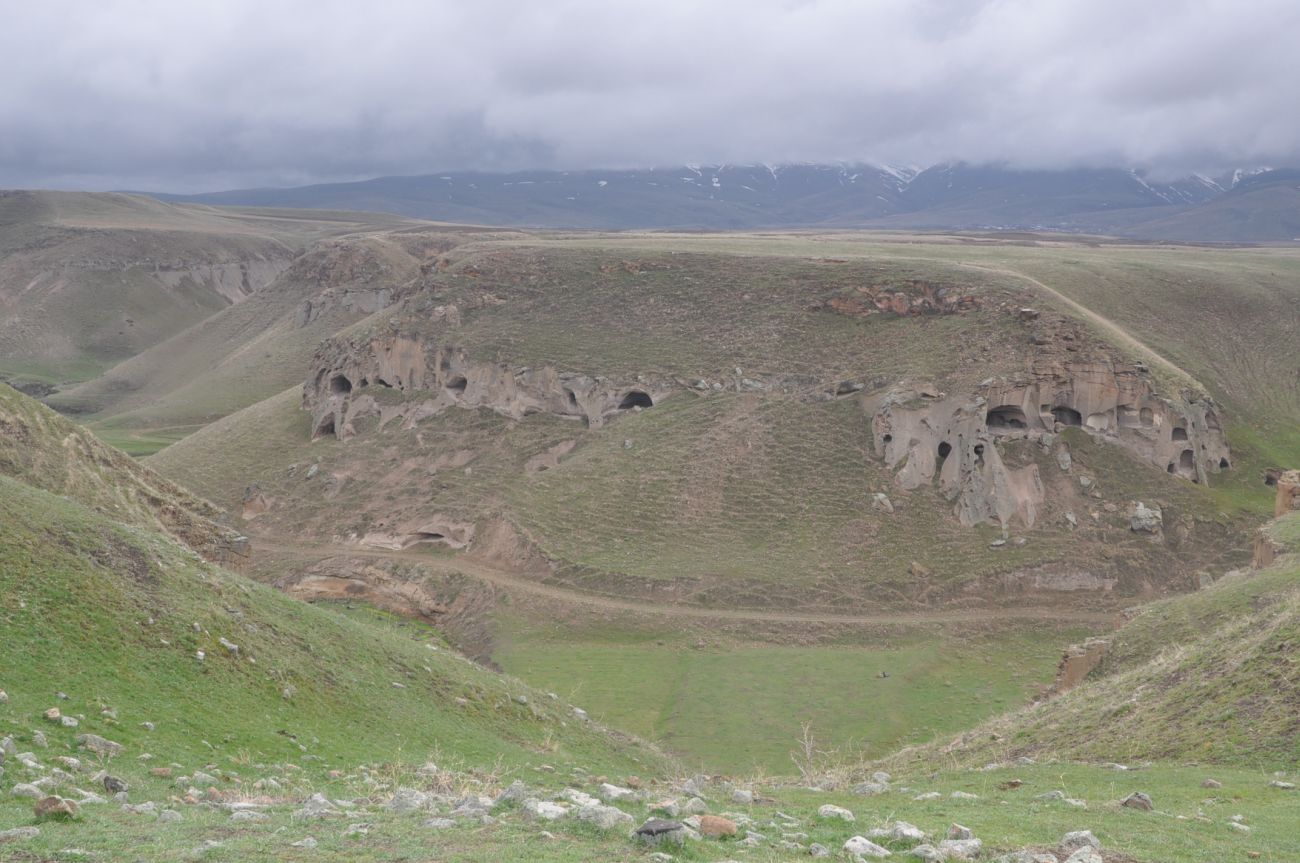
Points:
[(1187, 460), (635, 399), (1179, 433), (1223, 464), (340, 385), (457, 384), (573, 399), (979, 455), (326, 426), (1006, 418), (422, 536), (1126, 416), (942, 454), (1067, 416), (1147, 417)]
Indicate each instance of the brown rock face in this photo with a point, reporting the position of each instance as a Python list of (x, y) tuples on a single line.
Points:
[(716, 826), (1078, 662), (1288, 493)]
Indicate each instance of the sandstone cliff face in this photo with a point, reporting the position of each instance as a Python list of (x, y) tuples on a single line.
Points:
[(434, 376)]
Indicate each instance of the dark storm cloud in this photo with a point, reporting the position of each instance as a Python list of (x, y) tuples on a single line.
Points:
[(220, 93)]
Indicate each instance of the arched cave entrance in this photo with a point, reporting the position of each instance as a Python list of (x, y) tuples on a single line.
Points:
[(340, 385), (326, 426), (1006, 418), (1067, 416), (635, 399), (1178, 433), (457, 384)]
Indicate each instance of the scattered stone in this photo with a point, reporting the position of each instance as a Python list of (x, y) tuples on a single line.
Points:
[(54, 808), (898, 831), (742, 797), (612, 793), (861, 846), (956, 831), (1145, 519), (99, 745), (832, 811), (715, 826), (1063, 459), (870, 789), (927, 853), (605, 817), (1077, 838), (963, 795), (248, 815), (579, 713), (1239, 827), (24, 789), (39, 741), (307, 843), (4, 697), (1050, 796), (1138, 800), (927, 796), (1085, 855), (1027, 857), (54, 714), (961, 849), (357, 830), (818, 850), (658, 831), (315, 806), (230, 646), (545, 810), (881, 501), (407, 800), (201, 778), (19, 834), (1211, 783), (69, 721), (170, 816), (1285, 786)]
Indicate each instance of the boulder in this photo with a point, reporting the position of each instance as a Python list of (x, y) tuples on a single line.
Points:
[(407, 800), (830, 810), (961, 849), (604, 817), (1145, 519), (99, 745), (55, 808), (1138, 800), (861, 846), (659, 831), (1079, 838), (19, 834), (544, 810), (715, 826)]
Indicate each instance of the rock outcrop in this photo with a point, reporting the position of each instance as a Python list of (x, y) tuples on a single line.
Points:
[(350, 381), (960, 439), (1288, 493)]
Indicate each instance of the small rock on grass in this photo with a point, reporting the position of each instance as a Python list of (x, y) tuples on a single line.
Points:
[(861, 846), (19, 834), (1138, 800), (1078, 838), (830, 810), (55, 808), (715, 826), (1085, 855)]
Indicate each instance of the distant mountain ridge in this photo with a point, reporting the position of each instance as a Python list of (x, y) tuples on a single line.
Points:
[(1263, 205)]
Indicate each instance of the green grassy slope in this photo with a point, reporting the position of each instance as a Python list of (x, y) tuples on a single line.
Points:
[(1209, 677), (114, 616)]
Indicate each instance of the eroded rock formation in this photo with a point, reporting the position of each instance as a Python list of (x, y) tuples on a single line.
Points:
[(350, 380), (1068, 382)]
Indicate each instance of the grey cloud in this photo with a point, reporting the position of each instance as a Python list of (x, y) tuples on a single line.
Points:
[(218, 93)]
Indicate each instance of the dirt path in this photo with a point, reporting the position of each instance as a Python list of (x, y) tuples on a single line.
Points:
[(515, 582), (1118, 333)]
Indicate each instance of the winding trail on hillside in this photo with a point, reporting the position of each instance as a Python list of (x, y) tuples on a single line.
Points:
[(513, 581), (1117, 332)]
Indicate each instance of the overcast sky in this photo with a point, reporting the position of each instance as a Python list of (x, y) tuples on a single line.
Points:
[(193, 95)]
